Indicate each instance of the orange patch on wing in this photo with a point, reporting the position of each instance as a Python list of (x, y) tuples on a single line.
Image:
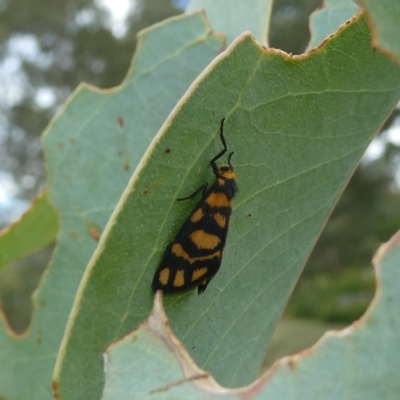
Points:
[(220, 219), (177, 249), (163, 276), (204, 240), (197, 216), (179, 278), (209, 257), (198, 273), (218, 199)]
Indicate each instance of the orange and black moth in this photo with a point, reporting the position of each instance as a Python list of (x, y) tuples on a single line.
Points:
[(194, 256)]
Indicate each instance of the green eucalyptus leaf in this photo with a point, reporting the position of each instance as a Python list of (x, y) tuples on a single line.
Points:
[(91, 149), (327, 20), (384, 17), (361, 361), (298, 126), (233, 17)]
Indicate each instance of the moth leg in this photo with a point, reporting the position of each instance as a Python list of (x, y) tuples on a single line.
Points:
[(203, 286), (202, 189)]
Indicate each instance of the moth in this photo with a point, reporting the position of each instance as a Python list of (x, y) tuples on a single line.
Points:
[(194, 256)]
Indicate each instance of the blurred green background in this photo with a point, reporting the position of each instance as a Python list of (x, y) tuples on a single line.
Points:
[(47, 48)]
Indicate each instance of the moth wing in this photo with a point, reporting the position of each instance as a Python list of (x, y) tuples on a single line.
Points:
[(194, 256)]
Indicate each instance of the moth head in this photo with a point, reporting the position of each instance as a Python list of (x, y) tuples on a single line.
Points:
[(226, 172)]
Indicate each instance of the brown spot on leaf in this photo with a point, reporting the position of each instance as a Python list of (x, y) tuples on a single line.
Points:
[(127, 166), (94, 234), (56, 393), (121, 122), (292, 363), (94, 230)]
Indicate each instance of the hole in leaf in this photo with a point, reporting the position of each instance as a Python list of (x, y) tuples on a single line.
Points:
[(17, 283)]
